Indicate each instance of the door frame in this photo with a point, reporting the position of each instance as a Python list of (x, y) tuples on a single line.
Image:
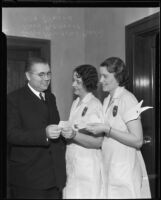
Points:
[(43, 45), (19, 42), (146, 25), (151, 24)]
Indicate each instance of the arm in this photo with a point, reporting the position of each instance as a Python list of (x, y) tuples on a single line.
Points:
[(134, 137), (83, 137), (88, 141)]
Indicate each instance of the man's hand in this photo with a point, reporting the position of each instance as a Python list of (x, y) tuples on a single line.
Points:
[(53, 131)]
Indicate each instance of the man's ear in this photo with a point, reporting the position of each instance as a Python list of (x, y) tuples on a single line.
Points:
[(27, 76)]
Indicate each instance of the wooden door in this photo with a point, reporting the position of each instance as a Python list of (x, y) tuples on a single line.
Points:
[(142, 57), (19, 49), (16, 61)]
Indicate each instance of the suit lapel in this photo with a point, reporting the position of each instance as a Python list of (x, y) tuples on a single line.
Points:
[(49, 105), (31, 94)]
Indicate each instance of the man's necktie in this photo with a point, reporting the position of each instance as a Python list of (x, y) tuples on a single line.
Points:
[(41, 97)]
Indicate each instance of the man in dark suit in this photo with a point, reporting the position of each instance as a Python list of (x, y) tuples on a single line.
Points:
[(37, 155)]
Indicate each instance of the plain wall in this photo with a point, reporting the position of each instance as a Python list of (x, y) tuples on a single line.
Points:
[(107, 26), (78, 36)]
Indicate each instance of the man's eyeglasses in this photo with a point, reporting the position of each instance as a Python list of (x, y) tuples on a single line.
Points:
[(42, 75)]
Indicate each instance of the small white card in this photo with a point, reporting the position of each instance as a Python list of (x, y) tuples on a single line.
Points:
[(63, 124)]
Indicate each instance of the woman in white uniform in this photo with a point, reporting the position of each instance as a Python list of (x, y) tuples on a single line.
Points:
[(125, 172), (83, 154)]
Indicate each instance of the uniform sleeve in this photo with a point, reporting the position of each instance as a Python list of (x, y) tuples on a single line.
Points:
[(128, 102)]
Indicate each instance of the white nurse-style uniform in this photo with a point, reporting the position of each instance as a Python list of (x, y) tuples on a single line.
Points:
[(125, 171), (83, 165)]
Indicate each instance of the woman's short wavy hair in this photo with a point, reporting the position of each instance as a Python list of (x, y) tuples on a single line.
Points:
[(117, 66), (89, 76)]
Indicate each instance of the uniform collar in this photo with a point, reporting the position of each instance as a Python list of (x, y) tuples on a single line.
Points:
[(117, 92), (87, 98), (109, 101)]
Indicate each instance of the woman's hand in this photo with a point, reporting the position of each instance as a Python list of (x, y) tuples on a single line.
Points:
[(68, 132), (96, 128)]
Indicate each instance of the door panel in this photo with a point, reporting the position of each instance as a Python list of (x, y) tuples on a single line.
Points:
[(15, 75), (142, 58), (144, 88), (16, 61)]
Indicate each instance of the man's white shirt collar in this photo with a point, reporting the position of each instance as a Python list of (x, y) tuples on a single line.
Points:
[(35, 92)]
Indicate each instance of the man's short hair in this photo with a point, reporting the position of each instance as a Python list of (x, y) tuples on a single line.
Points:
[(34, 60)]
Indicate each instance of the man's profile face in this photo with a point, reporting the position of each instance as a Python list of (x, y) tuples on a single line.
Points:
[(39, 76)]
